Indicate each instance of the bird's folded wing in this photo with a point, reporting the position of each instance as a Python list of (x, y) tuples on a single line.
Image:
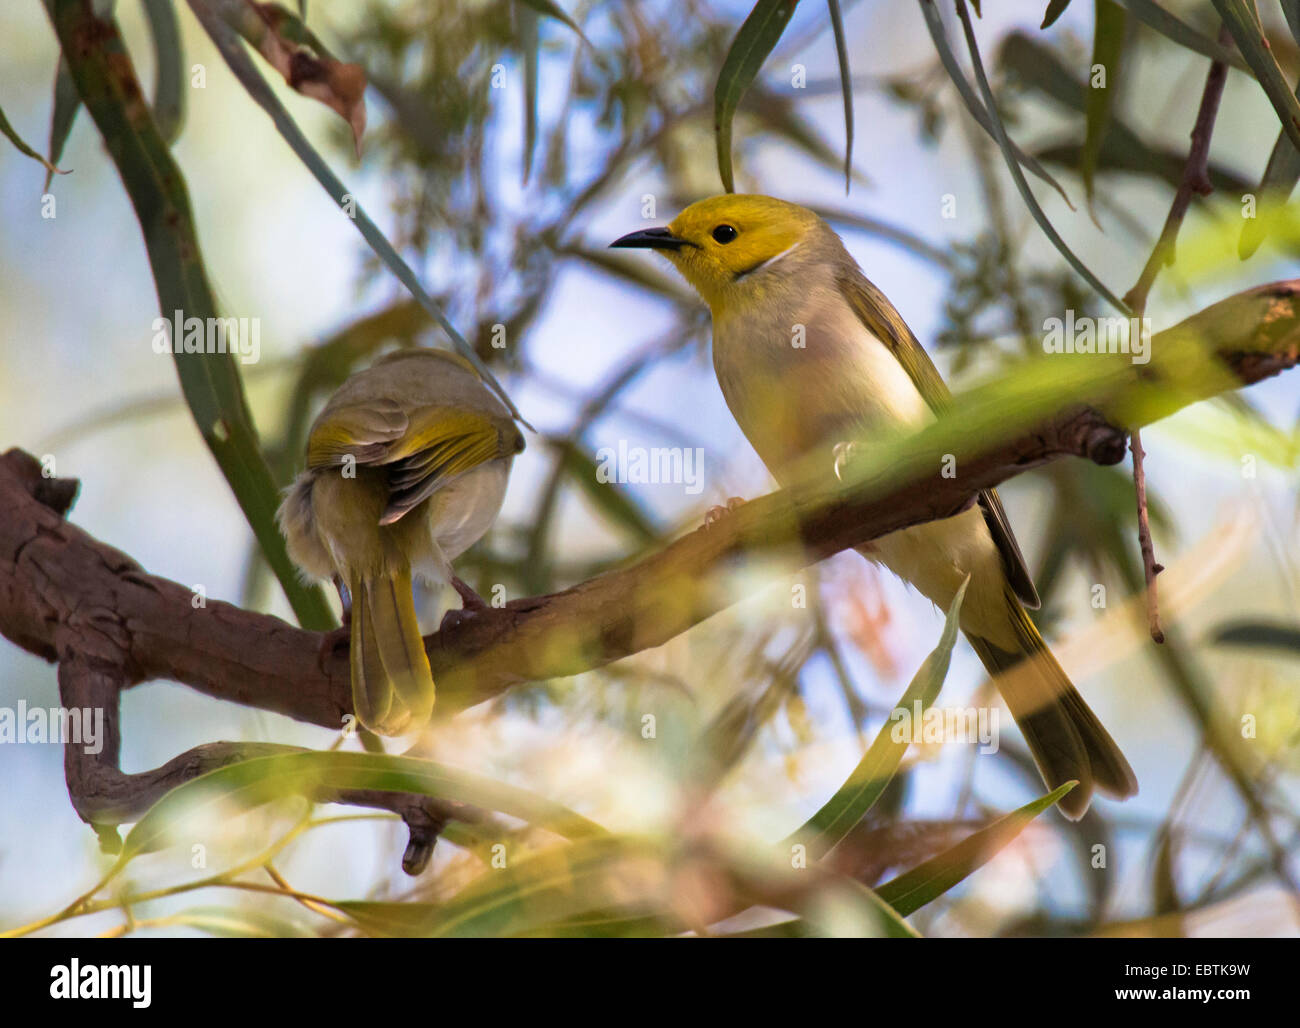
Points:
[(440, 445), (882, 319), (421, 451), (1013, 561), (364, 432)]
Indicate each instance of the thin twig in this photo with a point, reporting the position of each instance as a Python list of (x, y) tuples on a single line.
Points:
[(1195, 181), (1149, 565)]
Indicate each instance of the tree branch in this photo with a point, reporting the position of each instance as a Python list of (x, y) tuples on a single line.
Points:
[(69, 598), (1195, 181)]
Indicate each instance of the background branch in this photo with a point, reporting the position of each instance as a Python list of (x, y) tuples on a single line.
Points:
[(1195, 180)]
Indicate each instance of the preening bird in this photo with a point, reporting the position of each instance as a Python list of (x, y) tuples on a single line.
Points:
[(406, 469), (810, 354)]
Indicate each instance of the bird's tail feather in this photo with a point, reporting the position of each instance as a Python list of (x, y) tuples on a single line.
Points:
[(392, 685), (1064, 735)]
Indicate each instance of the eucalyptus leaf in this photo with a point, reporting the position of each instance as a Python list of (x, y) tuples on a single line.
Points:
[(1156, 17), (530, 44), (553, 10), (976, 107), (858, 794), (251, 79), (67, 102), (1109, 35), (846, 87), (1260, 635), (1291, 11), (1153, 16), (926, 882), (169, 59), (756, 39), (1055, 9), (1242, 21), (10, 133), (1009, 153), (1278, 183), (211, 382)]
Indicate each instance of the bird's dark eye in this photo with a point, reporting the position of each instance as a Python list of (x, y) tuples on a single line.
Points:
[(724, 234)]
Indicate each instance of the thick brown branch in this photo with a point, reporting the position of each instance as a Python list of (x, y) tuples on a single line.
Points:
[(104, 796)]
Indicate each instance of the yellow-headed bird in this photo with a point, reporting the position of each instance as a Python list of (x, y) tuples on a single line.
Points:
[(810, 354), (406, 469)]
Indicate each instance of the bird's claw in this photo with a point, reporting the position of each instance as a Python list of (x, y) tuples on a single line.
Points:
[(471, 604), (470, 600)]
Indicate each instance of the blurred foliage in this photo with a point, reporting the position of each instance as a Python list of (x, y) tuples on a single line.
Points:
[(684, 95)]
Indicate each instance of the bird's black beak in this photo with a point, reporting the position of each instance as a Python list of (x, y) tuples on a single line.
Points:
[(650, 239)]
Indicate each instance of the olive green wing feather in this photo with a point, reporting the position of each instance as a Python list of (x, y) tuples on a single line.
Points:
[(884, 322), (441, 444), (363, 432), (421, 451)]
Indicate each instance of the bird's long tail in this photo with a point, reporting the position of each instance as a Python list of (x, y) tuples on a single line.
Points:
[(392, 686), (1064, 736)]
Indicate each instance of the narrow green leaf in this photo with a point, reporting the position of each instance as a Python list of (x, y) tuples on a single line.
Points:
[(1260, 634), (1291, 9), (977, 109), (756, 39), (1055, 9), (1275, 188), (876, 769), (12, 135), (1039, 67), (169, 59), (211, 382), (846, 88), (1156, 17), (913, 889), (1013, 165), (251, 79), (530, 44), (1107, 54), (169, 96), (67, 102), (1242, 21), (554, 10)]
